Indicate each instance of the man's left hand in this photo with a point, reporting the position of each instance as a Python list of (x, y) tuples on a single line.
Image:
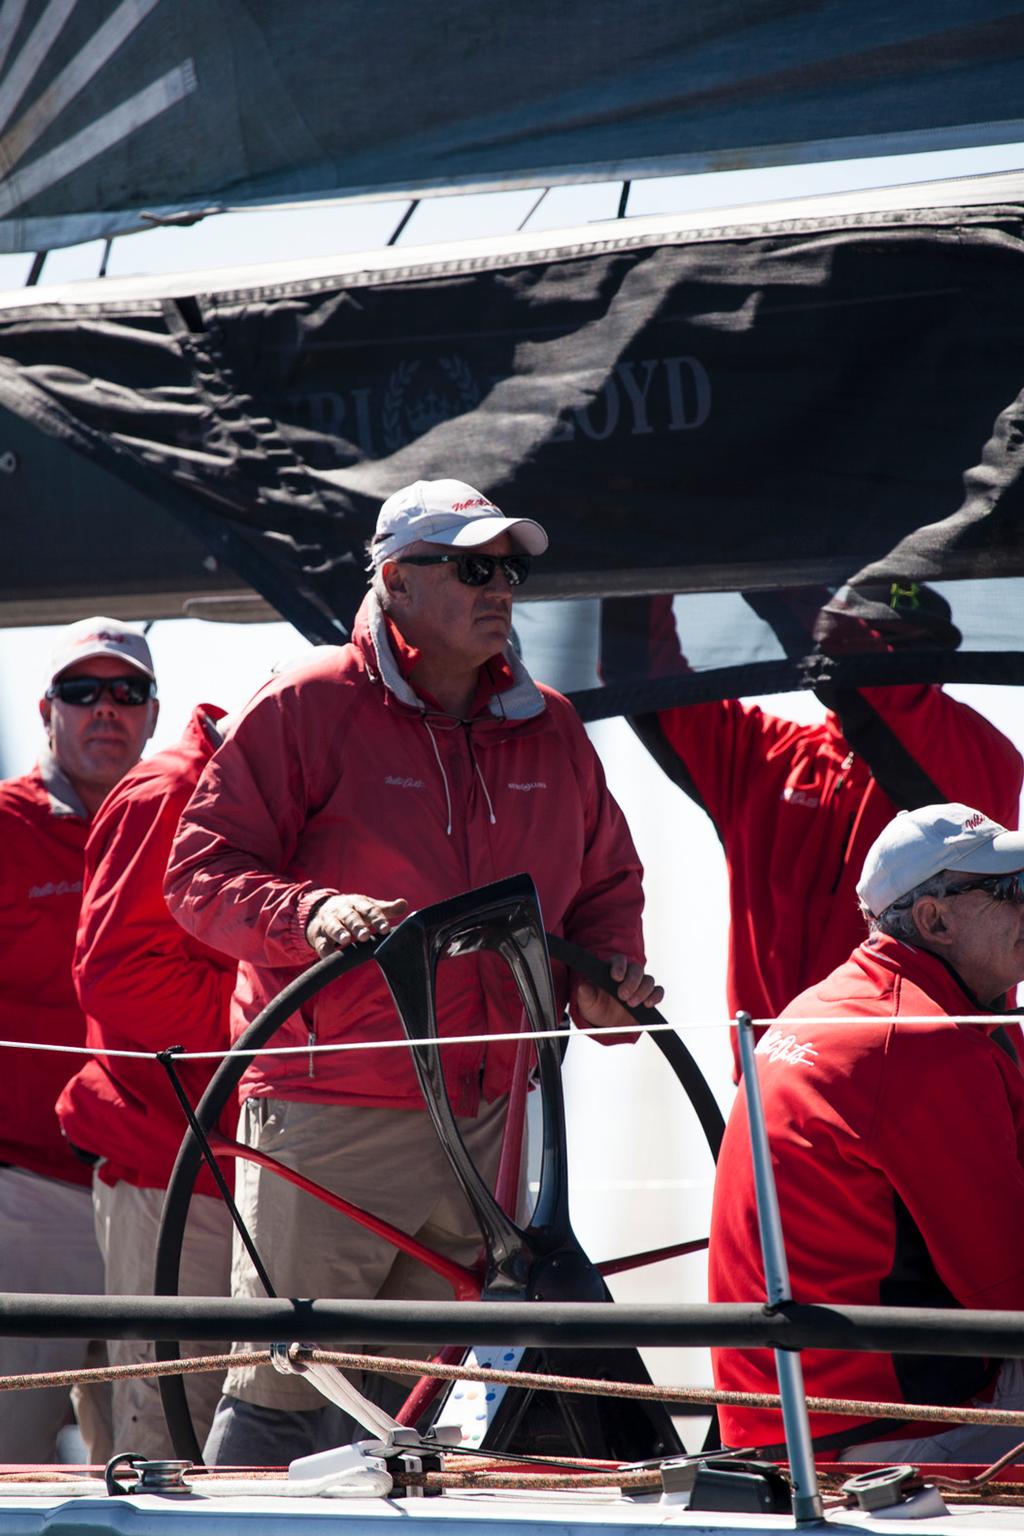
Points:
[(634, 988)]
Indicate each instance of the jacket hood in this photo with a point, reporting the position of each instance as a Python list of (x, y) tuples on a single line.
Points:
[(522, 701)]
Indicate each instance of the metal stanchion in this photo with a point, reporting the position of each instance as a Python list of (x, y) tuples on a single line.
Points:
[(807, 1505)]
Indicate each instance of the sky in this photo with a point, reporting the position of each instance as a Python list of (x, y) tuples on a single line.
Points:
[(640, 1174)]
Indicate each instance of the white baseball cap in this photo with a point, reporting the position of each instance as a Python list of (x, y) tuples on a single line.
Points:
[(918, 844), (447, 512), (100, 637)]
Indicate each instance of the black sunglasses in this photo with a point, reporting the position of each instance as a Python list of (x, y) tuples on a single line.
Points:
[(478, 570), (132, 690), (999, 887)]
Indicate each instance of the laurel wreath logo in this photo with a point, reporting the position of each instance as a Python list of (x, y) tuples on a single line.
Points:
[(458, 371), (391, 411), (396, 427)]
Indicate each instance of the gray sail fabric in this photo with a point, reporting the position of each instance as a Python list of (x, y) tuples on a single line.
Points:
[(112, 109), (806, 434)]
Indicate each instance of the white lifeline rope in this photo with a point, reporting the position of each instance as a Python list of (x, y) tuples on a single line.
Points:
[(514, 1035)]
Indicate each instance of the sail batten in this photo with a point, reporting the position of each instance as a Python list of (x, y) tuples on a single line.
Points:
[(119, 108)]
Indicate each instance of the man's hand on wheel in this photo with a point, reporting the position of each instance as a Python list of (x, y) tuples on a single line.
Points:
[(634, 988), (343, 920)]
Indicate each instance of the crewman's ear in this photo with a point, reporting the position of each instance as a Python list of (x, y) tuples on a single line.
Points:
[(44, 714), (394, 581), (931, 920)]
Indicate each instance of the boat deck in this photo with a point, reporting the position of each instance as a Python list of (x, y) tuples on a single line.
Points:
[(229, 1502)]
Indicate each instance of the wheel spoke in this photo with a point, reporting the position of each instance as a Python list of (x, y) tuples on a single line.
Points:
[(465, 1282), (652, 1256)]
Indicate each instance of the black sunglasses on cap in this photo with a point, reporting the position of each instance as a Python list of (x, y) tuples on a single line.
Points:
[(132, 690), (477, 570)]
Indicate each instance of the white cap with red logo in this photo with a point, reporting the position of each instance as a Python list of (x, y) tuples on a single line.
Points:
[(100, 637), (918, 844), (448, 512)]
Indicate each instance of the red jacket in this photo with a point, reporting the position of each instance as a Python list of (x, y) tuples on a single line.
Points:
[(337, 778), (43, 828), (143, 983), (797, 811), (899, 1157)]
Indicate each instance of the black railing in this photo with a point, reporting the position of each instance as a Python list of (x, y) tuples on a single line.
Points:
[(884, 1330)]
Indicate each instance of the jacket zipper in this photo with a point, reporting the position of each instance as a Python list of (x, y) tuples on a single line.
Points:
[(844, 770), (310, 1042), (475, 774)]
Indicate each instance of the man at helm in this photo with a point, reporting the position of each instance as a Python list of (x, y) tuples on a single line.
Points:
[(897, 1133), (415, 763)]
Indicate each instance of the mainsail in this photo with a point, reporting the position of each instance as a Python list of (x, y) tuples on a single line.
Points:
[(113, 112), (776, 447)]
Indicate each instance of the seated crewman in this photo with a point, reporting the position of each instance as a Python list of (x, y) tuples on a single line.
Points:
[(898, 1146)]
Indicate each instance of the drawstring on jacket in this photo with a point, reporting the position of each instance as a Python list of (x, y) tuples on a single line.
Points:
[(483, 786), (444, 778)]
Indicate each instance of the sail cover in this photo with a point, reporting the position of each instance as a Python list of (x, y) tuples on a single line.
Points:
[(801, 438), (114, 109)]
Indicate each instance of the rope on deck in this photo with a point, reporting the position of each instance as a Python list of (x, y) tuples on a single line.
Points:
[(537, 1381)]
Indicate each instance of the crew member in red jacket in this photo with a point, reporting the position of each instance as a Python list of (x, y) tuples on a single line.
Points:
[(797, 806), (99, 710), (413, 764), (898, 1146), (145, 984)]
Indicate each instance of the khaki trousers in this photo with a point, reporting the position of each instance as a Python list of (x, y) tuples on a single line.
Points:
[(127, 1223), (47, 1244), (389, 1162)]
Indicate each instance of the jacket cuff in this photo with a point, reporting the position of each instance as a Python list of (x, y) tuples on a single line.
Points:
[(304, 909)]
